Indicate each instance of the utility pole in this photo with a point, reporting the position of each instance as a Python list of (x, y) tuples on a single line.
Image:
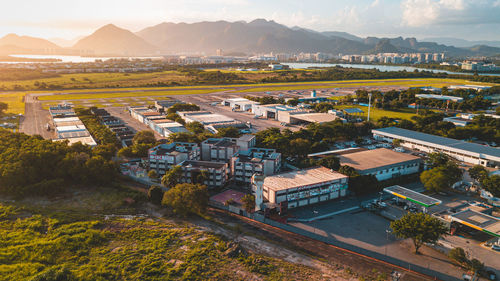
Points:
[(369, 105)]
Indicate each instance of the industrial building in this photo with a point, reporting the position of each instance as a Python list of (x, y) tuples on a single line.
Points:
[(261, 161), (472, 153), (458, 121), (241, 104), (68, 127), (216, 172), (163, 105), (223, 149), (164, 156), (301, 188), (271, 111), (156, 121), (382, 163), (211, 121)]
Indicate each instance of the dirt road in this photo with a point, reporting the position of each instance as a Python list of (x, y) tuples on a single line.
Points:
[(35, 119)]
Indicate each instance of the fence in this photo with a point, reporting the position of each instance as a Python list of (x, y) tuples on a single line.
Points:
[(404, 264)]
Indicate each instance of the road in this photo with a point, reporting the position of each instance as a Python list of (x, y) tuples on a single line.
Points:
[(35, 119)]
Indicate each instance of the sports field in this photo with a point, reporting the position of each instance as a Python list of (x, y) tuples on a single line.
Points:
[(377, 113)]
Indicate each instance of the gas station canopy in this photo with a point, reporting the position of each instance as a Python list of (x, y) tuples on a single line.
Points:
[(412, 196)]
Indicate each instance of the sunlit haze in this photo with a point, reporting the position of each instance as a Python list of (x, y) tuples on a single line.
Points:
[(466, 19)]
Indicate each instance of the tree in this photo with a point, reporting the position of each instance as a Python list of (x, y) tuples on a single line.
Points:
[(300, 147), (195, 127), (492, 184), (441, 177), (396, 142), (183, 107), (172, 177), (476, 266), (330, 162), (144, 137), (199, 176), (228, 132), (478, 172), (348, 171), (152, 174), (248, 203), (187, 199), (155, 194), (438, 159), (3, 108), (458, 255), (420, 228)]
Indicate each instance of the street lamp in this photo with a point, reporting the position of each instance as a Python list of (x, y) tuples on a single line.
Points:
[(369, 105)]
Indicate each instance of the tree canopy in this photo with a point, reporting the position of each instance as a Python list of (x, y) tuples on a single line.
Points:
[(172, 177), (420, 228), (441, 177), (187, 199)]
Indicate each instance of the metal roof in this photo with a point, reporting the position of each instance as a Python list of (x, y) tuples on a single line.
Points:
[(452, 143), (479, 221), (305, 177), (413, 196), (376, 159), (353, 110)]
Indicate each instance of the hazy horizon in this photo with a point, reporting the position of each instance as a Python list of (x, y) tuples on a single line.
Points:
[(464, 19)]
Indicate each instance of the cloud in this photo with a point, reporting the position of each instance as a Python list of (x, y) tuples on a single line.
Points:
[(418, 13)]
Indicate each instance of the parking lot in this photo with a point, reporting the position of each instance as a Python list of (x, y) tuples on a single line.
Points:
[(371, 231)]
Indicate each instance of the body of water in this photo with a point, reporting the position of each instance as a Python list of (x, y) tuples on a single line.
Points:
[(379, 67), (69, 59)]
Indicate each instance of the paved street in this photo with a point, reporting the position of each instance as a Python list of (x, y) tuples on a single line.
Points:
[(35, 119)]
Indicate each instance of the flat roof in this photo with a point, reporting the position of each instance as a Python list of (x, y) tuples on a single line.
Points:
[(479, 221), (437, 140), (203, 164), (66, 119), (375, 158), (207, 118), (439, 97), (84, 140), (315, 117), (71, 128), (300, 178), (413, 196)]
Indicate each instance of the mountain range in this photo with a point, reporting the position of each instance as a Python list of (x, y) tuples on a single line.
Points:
[(257, 36)]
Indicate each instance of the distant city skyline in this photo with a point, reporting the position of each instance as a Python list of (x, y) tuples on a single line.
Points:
[(465, 19)]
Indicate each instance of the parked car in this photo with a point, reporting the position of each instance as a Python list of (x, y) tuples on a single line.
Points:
[(495, 247)]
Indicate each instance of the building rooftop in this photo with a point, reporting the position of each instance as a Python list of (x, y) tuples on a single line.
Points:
[(203, 164), (439, 97), (205, 117), (88, 140), (315, 117), (299, 178), (413, 196), (168, 148), (257, 155), (457, 144), (370, 159), (479, 221)]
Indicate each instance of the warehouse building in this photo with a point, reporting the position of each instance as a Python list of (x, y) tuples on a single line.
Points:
[(261, 161), (382, 163), (271, 111), (216, 172), (239, 104), (467, 152), (68, 127), (301, 188), (164, 156)]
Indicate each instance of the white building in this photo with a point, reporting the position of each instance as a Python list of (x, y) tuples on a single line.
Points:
[(472, 153), (223, 149), (164, 156), (303, 187), (261, 161), (382, 163)]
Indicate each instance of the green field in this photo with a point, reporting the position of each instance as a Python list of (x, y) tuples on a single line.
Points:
[(15, 101), (377, 113)]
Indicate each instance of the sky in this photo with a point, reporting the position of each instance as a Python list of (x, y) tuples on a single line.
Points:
[(466, 19)]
